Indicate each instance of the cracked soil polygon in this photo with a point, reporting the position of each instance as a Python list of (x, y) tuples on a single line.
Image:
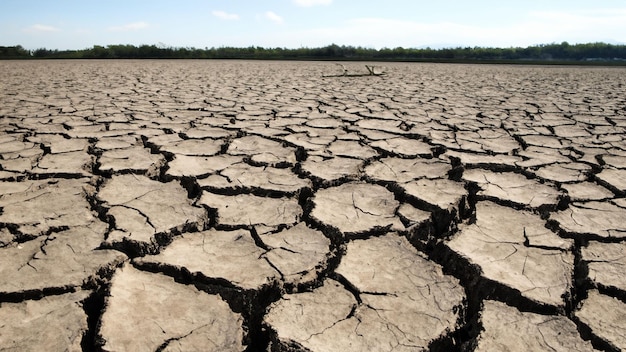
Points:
[(606, 317), (199, 166), (229, 255), (35, 317), (262, 151), (63, 260), (515, 249), (333, 169), (148, 207), (355, 208), (264, 178), (513, 187), (298, 253), (601, 219), (507, 329), (134, 159), (405, 170), (247, 209), (39, 206), (606, 263), (165, 313)]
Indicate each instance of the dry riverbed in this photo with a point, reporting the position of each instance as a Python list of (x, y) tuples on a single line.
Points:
[(262, 206)]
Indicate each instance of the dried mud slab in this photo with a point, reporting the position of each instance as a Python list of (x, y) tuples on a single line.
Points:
[(142, 208), (393, 125), (312, 143), (19, 165), (18, 155), (484, 161), (402, 303), (149, 312), (599, 219), (485, 141), (507, 329), (606, 263), (413, 218), (584, 191), (512, 187), (204, 132), (540, 156), (404, 147), (137, 160), (606, 317), (262, 151), (424, 182), (299, 253), (37, 207), (122, 142), (614, 178), (351, 149), (246, 210), (244, 176), (406, 170), (616, 161), (200, 166), (197, 147), (570, 172), (59, 261), (53, 323), (12, 147), (515, 249), (332, 170), (356, 208), (300, 320), (232, 256), (75, 163), (442, 194)]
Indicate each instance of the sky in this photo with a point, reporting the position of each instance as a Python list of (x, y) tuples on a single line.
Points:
[(81, 24)]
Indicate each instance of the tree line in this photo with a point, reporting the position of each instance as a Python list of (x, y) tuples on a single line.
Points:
[(556, 52)]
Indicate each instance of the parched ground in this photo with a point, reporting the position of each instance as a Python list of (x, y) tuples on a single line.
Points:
[(262, 206)]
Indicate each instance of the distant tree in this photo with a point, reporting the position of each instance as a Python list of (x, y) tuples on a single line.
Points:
[(13, 52)]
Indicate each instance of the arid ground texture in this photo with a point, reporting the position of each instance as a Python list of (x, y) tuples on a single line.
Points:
[(263, 206)]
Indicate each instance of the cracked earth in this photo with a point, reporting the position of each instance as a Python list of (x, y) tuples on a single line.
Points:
[(263, 206)]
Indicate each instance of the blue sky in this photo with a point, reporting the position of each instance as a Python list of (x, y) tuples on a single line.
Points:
[(79, 24)]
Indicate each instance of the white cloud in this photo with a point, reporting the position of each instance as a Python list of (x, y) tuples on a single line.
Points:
[(534, 28), (589, 16), (225, 15), (309, 3), (39, 28), (273, 17), (130, 27), (577, 27), (580, 20)]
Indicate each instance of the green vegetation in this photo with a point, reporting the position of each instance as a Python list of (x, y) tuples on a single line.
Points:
[(547, 53), (13, 52)]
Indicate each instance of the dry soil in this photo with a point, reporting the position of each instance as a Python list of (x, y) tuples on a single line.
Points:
[(265, 206)]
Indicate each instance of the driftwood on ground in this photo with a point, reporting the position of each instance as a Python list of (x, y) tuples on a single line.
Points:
[(372, 70)]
